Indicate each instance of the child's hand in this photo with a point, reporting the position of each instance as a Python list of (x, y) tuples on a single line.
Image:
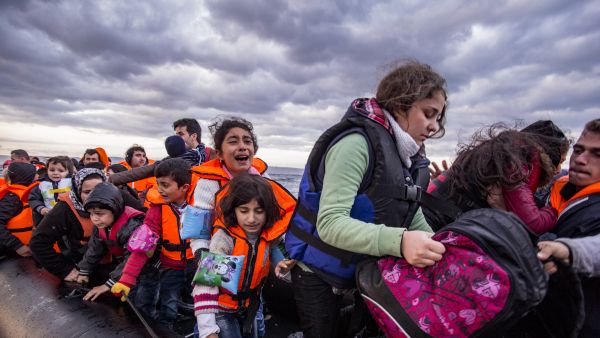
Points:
[(95, 292), (72, 276), (420, 250), (44, 211), (212, 335), (283, 268), (83, 279), (121, 290)]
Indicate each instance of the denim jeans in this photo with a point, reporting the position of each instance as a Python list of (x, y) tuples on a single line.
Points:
[(231, 326), (164, 287), (229, 323)]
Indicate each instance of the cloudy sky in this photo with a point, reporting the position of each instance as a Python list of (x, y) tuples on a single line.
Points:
[(78, 74)]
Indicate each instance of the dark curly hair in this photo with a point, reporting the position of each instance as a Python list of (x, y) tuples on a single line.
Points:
[(495, 157), (407, 82), (242, 189), (223, 125)]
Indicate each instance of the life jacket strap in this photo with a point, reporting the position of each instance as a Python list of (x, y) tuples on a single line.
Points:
[(411, 193), (175, 247), (444, 207), (345, 257), (20, 229)]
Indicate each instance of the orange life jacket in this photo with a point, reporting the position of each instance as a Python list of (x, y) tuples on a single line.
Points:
[(557, 201), (172, 245), (2, 182), (20, 225), (257, 262), (86, 223), (141, 186), (213, 170)]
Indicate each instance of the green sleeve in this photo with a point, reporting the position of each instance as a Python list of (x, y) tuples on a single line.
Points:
[(345, 165)]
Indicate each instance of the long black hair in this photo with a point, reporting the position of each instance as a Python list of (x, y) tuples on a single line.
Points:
[(242, 189), (495, 157)]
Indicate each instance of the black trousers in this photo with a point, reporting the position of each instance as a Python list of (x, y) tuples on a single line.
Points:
[(318, 307)]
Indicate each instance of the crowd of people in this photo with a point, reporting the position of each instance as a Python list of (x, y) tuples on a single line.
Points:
[(181, 228)]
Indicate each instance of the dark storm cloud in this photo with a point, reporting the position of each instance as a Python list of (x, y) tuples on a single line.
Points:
[(291, 67)]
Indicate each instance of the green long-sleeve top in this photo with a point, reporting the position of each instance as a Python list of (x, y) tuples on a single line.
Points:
[(345, 165)]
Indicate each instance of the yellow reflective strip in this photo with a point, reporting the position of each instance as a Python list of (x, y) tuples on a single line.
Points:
[(59, 190)]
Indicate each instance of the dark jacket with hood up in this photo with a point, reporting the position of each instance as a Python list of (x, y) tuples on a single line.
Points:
[(110, 197)]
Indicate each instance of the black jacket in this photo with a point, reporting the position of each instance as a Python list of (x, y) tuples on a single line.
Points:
[(98, 248), (582, 219), (60, 225), (10, 206)]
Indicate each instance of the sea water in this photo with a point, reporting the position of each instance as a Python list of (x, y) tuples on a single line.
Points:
[(288, 177)]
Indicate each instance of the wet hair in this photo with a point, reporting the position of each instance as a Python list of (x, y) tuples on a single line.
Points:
[(222, 126), (175, 168), (93, 176), (592, 127), (242, 189), (191, 126), (91, 151), (35, 159), (407, 82), (550, 138), (495, 156), (62, 160), (20, 153), (129, 153)]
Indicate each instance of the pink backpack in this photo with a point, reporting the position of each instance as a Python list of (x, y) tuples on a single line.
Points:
[(488, 278), (143, 240)]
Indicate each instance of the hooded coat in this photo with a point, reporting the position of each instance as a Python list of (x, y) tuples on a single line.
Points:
[(127, 218)]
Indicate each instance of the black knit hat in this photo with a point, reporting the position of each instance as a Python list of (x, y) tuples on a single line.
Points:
[(21, 173), (175, 146), (549, 137)]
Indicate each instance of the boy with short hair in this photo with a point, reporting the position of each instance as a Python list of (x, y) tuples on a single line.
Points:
[(163, 220), (114, 222)]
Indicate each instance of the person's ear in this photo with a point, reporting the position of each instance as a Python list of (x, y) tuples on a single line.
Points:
[(185, 187)]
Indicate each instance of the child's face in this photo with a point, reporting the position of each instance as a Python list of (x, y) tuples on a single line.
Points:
[(237, 150), (56, 172), (101, 218), (170, 192), (251, 217)]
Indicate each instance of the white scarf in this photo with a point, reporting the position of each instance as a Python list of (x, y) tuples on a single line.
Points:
[(406, 145)]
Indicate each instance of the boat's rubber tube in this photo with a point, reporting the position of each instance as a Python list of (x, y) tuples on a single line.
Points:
[(33, 304)]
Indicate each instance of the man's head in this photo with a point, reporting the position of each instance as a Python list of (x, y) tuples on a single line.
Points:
[(90, 155), (189, 130), (584, 165), (19, 155), (173, 177), (135, 156)]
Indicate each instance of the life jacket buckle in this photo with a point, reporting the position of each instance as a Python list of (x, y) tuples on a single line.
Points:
[(412, 192)]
